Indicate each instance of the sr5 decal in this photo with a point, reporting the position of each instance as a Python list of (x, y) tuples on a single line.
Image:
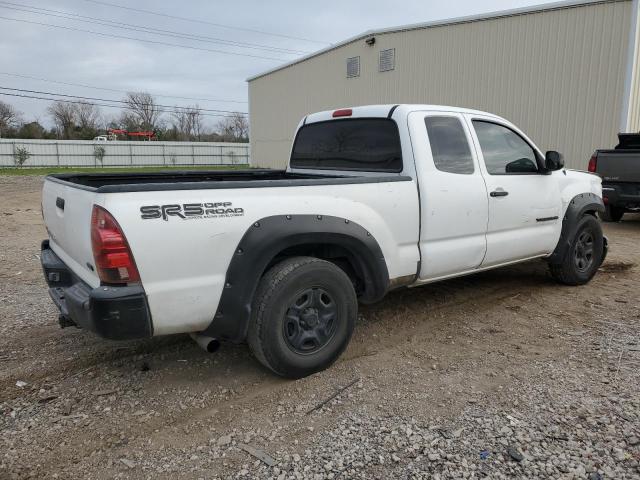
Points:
[(189, 211)]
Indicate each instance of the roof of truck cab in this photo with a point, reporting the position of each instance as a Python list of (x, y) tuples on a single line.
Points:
[(385, 111)]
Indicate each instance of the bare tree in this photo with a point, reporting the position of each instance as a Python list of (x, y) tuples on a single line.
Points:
[(9, 117), (88, 116), (127, 121), (143, 108), (64, 116), (181, 123), (235, 127), (196, 122), (188, 122)]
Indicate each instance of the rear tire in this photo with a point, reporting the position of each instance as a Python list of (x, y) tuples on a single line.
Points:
[(585, 255), (303, 316), (612, 214)]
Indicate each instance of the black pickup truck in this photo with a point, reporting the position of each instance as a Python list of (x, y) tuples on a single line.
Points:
[(620, 172)]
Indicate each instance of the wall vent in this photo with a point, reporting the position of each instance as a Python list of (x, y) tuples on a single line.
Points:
[(387, 60), (353, 67)]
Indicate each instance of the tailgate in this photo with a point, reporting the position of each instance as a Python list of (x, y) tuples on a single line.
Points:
[(67, 216), (619, 165)]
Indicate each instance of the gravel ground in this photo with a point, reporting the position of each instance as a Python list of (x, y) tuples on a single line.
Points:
[(500, 375)]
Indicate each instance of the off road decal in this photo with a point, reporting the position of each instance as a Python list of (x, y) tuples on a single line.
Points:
[(191, 211)]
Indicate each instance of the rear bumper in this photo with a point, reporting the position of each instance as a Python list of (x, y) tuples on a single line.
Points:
[(116, 313), (627, 196)]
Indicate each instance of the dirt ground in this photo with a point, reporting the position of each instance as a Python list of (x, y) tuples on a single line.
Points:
[(500, 375)]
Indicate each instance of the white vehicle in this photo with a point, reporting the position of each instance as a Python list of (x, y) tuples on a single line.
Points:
[(374, 198), (105, 138)]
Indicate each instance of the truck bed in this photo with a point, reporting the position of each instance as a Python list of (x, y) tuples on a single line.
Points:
[(619, 165), (215, 179)]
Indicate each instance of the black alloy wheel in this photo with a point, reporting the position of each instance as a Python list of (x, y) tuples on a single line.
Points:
[(310, 322), (302, 316), (583, 251)]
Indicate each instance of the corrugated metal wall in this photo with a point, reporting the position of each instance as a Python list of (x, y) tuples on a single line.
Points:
[(558, 74), (634, 101), (78, 153)]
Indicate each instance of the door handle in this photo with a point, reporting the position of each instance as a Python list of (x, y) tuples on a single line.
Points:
[(499, 193)]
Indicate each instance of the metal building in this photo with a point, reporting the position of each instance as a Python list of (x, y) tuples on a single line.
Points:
[(567, 73)]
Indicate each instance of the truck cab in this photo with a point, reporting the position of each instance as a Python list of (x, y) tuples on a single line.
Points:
[(487, 195)]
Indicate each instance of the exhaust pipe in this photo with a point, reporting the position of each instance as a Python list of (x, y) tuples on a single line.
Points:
[(208, 344), (65, 321)]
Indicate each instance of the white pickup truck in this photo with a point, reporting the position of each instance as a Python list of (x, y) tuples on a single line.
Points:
[(374, 198)]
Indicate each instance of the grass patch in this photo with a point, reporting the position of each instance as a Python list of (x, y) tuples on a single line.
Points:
[(48, 170)]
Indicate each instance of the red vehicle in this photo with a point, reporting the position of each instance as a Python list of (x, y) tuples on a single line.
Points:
[(145, 135)]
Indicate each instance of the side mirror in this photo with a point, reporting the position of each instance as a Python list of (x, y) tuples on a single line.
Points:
[(522, 165), (553, 161)]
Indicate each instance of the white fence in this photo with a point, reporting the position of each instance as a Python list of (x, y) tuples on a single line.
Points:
[(87, 153)]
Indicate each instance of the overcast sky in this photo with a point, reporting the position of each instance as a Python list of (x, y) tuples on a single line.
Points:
[(119, 64)]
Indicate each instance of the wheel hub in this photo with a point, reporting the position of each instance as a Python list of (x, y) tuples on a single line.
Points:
[(309, 318), (310, 321), (583, 252)]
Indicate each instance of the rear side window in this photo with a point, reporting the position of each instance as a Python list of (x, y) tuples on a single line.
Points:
[(365, 144), (449, 145)]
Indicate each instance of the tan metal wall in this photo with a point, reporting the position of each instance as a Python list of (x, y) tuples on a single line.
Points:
[(557, 74), (634, 101)]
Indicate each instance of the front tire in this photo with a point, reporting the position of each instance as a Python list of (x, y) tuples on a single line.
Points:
[(612, 214), (303, 316), (585, 255)]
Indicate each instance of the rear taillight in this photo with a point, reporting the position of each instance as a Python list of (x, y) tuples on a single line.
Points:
[(111, 252), (593, 163)]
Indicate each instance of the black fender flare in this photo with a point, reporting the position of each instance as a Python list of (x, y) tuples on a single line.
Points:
[(269, 236), (578, 207)]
